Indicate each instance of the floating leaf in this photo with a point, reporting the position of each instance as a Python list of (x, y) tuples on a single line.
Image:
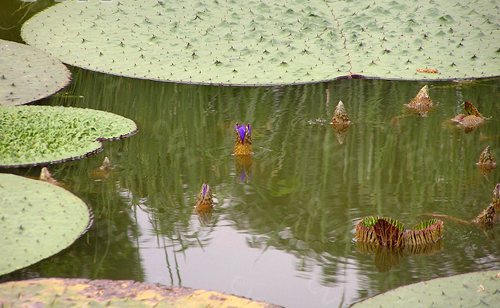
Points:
[(40, 135), (268, 43), (38, 219), (66, 292), (28, 74), (455, 291)]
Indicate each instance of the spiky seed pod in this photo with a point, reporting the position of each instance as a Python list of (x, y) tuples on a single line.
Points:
[(496, 198), (46, 176), (340, 117), (486, 158), (471, 122), (487, 217), (106, 164), (424, 233), (205, 198), (422, 103), (243, 139)]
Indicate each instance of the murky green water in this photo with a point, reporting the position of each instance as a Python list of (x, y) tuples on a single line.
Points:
[(282, 230)]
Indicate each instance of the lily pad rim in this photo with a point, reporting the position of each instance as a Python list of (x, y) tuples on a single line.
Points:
[(222, 84)]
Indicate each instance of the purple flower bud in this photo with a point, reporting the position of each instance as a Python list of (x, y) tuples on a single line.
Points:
[(204, 190), (241, 131)]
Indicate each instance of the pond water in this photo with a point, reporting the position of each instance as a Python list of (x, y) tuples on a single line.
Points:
[(283, 226)]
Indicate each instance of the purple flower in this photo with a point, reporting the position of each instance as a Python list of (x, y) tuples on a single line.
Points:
[(240, 129)]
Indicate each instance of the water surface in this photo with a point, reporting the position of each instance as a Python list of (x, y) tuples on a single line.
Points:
[(282, 230)]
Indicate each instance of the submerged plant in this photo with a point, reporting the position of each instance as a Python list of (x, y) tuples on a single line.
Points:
[(243, 139), (422, 103)]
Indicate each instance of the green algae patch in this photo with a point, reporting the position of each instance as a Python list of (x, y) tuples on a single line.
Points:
[(479, 289), (28, 74), (38, 220), (264, 43), (61, 292), (41, 135)]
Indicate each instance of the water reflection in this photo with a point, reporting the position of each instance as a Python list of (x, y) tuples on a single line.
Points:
[(293, 204)]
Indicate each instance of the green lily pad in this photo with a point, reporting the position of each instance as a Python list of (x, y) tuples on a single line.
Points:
[(479, 289), (38, 220), (60, 292), (272, 43), (41, 135), (28, 74)]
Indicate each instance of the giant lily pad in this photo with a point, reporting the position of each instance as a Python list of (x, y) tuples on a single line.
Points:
[(28, 74), (59, 292), (478, 289), (272, 43), (40, 135), (38, 219)]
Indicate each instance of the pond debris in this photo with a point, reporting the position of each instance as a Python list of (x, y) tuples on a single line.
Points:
[(46, 176), (427, 70), (471, 120), (422, 103), (243, 139)]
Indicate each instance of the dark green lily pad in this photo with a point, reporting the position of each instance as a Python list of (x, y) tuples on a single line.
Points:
[(38, 219), (41, 135), (272, 43), (28, 74), (60, 292), (479, 289)]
